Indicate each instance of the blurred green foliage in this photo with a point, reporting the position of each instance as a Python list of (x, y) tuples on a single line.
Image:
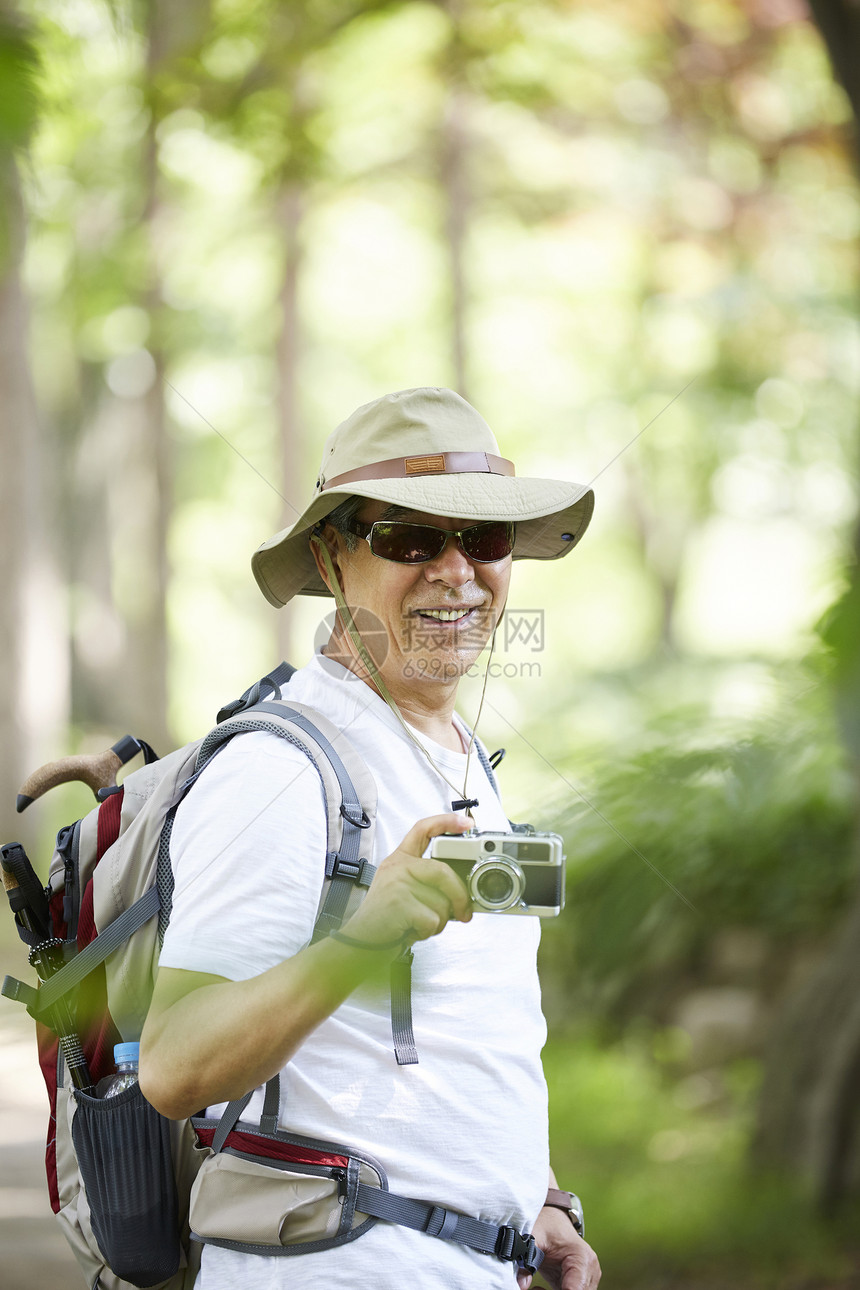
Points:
[(19, 104), (660, 1165), (19, 101), (652, 193), (697, 831), (840, 632)]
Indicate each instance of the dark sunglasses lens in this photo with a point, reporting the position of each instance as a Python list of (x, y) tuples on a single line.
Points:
[(489, 542), (415, 543), (406, 543)]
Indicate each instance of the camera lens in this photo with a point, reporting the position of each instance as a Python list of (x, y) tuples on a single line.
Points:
[(495, 887), (496, 884), (489, 846)]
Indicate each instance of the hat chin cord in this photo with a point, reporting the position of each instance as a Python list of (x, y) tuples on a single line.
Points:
[(373, 670)]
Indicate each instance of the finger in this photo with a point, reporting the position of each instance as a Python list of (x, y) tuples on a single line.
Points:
[(422, 912), (434, 899), (441, 877), (423, 922), (592, 1267), (585, 1271)]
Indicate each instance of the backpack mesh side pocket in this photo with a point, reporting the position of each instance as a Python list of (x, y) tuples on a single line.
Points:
[(123, 1150)]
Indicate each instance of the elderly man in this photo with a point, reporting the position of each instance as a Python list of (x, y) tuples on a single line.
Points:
[(413, 526)]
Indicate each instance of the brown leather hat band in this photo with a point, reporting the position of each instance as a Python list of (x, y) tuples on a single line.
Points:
[(433, 463)]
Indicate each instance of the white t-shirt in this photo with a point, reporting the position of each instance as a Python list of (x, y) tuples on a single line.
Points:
[(465, 1128)]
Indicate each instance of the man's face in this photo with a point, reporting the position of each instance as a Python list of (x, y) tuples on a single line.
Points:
[(398, 606)]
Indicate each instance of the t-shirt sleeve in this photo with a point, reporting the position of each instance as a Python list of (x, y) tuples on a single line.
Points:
[(248, 854)]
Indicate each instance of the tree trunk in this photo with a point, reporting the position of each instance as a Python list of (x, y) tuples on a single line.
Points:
[(171, 29), (33, 654), (124, 683), (118, 523), (456, 194), (294, 476), (809, 1113), (454, 184), (809, 1110), (839, 24)]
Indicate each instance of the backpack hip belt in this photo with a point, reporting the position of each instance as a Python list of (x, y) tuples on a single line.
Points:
[(272, 1193)]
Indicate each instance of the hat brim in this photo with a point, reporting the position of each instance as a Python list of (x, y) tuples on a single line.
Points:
[(551, 517)]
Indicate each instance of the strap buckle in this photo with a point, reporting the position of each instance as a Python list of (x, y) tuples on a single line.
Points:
[(354, 870), (229, 710), (520, 1248)]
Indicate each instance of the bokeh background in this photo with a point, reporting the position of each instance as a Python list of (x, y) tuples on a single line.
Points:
[(628, 232)]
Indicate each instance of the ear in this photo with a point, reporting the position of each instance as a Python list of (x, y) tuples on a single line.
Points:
[(324, 533)]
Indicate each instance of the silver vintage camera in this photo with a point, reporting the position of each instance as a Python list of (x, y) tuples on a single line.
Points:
[(507, 873)]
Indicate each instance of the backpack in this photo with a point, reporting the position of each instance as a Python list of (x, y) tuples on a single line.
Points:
[(136, 1194), (108, 903)]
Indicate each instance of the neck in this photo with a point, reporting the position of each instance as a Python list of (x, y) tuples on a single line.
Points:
[(429, 707)]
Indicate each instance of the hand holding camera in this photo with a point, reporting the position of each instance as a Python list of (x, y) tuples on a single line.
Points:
[(412, 896)]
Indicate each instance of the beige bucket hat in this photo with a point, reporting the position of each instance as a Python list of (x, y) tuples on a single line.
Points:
[(429, 450)]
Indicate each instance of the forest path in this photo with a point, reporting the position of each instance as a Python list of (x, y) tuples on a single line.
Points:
[(33, 1251)]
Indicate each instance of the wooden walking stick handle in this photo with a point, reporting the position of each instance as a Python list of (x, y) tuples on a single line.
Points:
[(96, 770)]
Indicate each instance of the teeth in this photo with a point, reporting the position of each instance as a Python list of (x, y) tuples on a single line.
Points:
[(445, 615)]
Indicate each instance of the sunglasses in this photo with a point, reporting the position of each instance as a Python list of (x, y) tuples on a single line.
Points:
[(407, 543)]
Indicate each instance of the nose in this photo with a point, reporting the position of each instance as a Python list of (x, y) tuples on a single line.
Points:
[(451, 565)]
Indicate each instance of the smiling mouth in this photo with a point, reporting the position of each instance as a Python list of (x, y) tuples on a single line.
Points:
[(448, 617)]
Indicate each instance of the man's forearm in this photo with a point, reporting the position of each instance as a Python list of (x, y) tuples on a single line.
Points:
[(207, 1039), (210, 1040)]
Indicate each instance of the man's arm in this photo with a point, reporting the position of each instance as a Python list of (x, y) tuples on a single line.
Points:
[(208, 1039), (569, 1262)]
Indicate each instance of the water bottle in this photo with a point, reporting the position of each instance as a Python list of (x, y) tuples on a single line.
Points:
[(126, 1057)]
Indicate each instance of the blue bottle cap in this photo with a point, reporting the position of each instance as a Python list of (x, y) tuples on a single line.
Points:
[(126, 1053)]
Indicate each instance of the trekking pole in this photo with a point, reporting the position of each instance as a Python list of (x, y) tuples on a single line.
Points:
[(29, 904), (27, 898), (47, 958)]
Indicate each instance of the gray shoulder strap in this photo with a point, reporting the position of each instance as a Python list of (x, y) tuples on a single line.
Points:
[(272, 683), (345, 864), (349, 792)]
